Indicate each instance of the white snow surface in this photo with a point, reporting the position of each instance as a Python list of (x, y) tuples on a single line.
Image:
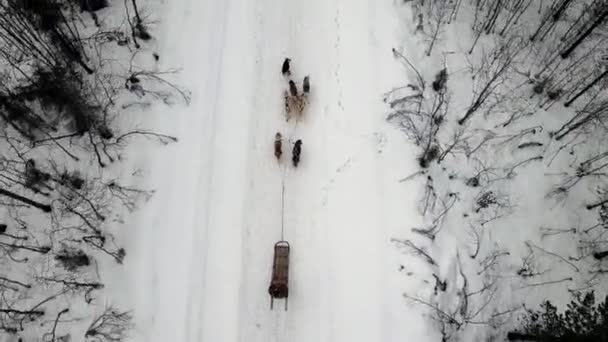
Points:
[(201, 250)]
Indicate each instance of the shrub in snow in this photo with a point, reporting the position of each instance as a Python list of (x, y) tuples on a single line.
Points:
[(57, 90), (583, 320), (485, 200), (35, 179), (539, 86), (111, 325), (73, 180), (554, 94), (473, 182), (141, 32), (430, 154), (72, 259), (441, 79)]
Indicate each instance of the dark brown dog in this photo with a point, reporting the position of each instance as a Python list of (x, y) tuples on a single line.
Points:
[(278, 145), (306, 85), (295, 153), (293, 90)]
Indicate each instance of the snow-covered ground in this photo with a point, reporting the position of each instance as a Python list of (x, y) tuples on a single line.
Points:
[(201, 250)]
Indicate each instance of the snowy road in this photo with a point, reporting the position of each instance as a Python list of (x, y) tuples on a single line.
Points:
[(208, 256)]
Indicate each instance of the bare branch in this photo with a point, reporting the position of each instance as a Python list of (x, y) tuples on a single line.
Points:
[(417, 250)]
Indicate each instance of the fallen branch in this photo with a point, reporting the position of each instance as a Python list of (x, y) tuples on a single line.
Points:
[(161, 137), (399, 54), (547, 283), (530, 244)]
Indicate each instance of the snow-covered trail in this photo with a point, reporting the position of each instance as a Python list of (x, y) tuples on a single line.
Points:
[(209, 257)]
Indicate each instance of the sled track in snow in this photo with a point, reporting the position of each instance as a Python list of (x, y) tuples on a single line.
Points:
[(330, 223), (285, 165), (207, 250)]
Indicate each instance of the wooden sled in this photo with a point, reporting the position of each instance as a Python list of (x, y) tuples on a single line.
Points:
[(279, 283)]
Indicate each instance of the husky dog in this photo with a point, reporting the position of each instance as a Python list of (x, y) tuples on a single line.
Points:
[(277, 145), (306, 85), (287, 106), (285, 69), (295, 153), (293, 90), (294, 105)]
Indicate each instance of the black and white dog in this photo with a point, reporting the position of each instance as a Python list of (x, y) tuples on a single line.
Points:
[(285, 69)]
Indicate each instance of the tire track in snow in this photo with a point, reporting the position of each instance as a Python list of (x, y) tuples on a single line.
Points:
[(262, 218), (210, 91), (225, 211), (171, 255), (336, 261), (312, 288), (337, 48), (320, 268)]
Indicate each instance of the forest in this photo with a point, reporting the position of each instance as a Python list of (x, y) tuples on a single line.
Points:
[(73, 76), (511, 126)]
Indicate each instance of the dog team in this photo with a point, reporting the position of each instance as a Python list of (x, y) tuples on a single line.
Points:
[(295, 103)]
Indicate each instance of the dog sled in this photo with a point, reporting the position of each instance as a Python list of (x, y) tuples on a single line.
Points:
[(279, 282)]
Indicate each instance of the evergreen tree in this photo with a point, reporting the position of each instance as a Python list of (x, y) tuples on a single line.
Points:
[(583, 320)]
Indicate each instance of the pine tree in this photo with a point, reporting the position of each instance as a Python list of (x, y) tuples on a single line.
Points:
[(583, 320)]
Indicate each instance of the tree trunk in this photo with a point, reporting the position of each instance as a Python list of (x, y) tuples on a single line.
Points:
[(578, 124), (558, 13), (138, 18), (595, 205), (19, 312), (582, 37), (594, 82), (44, 207)]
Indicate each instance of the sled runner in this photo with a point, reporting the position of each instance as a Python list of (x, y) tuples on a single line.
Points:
[(280, 273)]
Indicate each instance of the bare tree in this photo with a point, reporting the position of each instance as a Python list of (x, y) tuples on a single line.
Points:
[(439, 13), (111, 326), (420, 113), (601, 12), (62, 92), (492, 73)]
